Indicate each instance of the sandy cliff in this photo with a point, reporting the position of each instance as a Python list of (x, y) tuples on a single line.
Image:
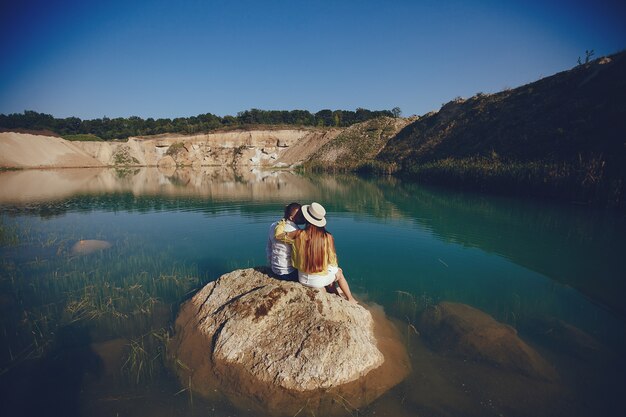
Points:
[(251, 148), (267, 148)]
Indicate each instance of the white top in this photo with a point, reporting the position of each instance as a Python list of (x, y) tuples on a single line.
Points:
[(279, 253)]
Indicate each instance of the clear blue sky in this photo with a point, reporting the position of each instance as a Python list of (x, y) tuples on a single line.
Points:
[(182, 58)]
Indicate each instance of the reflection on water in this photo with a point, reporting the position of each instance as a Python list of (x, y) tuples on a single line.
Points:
[(28, 186), (554, 272), (576, 246)]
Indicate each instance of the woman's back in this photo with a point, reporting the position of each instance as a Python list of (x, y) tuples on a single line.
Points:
[(314, 250)]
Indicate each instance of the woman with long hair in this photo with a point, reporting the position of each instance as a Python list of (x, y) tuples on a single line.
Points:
[(313, 251)]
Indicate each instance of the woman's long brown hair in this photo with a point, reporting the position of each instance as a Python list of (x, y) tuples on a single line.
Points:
[(317, 242)]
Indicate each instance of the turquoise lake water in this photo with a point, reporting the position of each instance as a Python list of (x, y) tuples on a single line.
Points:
[(83, 334)]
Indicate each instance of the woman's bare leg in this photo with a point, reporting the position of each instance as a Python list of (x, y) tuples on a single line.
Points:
[(343, 284)]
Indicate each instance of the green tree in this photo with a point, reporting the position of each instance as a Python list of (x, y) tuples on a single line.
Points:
[(337, 118), (229, 120), (324, 118)]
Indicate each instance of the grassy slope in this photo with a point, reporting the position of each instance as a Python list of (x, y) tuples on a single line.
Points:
[(562, 136), (358, 144)]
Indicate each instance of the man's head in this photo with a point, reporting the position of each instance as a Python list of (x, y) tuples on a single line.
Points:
[(293, 213)]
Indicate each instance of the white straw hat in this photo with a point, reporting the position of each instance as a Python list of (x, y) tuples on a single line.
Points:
[(314, 214)]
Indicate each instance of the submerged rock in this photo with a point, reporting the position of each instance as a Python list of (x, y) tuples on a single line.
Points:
[(281, 347), (465, 331), (564, 337), (85, 247)]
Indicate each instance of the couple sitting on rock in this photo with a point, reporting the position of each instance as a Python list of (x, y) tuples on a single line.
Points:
[(305, 255)]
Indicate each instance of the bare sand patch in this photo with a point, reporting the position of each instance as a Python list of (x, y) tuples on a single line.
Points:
[(23, 150)]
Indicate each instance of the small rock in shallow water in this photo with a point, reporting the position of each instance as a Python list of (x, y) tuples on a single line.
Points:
[(85, 247)]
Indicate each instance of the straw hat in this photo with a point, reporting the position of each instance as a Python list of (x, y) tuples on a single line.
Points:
[(314, 213)]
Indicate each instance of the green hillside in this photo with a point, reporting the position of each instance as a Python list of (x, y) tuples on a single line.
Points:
[(563, 136)]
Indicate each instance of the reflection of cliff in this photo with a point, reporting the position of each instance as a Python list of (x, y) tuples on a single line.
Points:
[(29, 186), (216, 183)]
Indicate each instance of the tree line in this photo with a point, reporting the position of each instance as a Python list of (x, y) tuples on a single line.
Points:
[(123, 127)]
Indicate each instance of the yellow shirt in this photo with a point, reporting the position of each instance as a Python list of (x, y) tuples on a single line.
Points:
[(297, 253)]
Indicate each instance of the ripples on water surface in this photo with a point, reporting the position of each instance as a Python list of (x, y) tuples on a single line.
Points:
[(84, 334)]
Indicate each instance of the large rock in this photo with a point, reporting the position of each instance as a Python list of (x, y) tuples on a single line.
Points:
[(280, 347), (465, 331)]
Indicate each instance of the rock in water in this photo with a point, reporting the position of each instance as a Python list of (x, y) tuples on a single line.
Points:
[(564, 337), (85, 247), (280, 347), (471, 333)]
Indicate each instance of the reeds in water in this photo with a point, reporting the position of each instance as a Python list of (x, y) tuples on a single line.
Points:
[(145, 357), (126, 291), (8, 234), (408, 306)]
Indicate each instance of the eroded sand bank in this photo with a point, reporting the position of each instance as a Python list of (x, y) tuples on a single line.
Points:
[(262, 148), (23, 150)]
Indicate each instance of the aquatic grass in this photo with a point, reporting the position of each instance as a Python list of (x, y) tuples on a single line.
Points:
[(188, 388), (145, 357), (408, 306), (139, 297), (512, 310), (516, 311), (301, 408), (232, 264), (124, 291), (26, 232), (34, 337), (29, 352), (347, 405), (9, 235)]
